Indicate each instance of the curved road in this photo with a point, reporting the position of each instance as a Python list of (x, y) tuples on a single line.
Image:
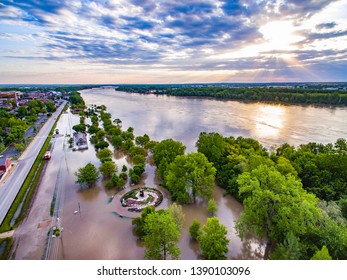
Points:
[(12, 185)]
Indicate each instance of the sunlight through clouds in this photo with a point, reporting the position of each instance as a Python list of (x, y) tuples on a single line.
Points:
[(229, 41)]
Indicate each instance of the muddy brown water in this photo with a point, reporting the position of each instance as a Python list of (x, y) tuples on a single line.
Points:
[(97, 232)]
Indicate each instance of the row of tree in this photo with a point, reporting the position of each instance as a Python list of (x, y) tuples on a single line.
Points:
[(254, 94), (160, 231)]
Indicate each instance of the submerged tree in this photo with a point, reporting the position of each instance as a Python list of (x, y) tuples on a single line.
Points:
[(108, 168), (87, 175), (176, 211), (213, 240), (165, 152), (162, 236), (194, 229), (190, 176), (212, 206), (275, 204)]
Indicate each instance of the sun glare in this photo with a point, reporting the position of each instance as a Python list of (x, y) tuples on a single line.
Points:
[(280, 35), (269, 121)]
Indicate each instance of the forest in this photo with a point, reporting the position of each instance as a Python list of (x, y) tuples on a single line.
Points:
[(248, 94), (295, 198)]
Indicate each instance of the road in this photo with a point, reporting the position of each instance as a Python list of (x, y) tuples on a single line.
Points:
[(12, 185)]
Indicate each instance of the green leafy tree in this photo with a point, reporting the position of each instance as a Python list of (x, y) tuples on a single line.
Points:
[(194, 229), (139, 222), (275, 204), (87, 175), (139, 159), (108, 168), (343, 206), (136, 172), (177, 212), (165, 152), (135, 150), (118, 122), (322, 254), (212, 206), (189, 176), (290, 249), (101, 145), (162, 236), (142, 140), (19, 147), (104, 153), (213, 240), (22, 111), (79, 128), (117, 141), (50, 106), (333, 236)]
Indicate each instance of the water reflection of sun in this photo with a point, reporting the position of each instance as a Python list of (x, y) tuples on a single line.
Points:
[(269, 121)]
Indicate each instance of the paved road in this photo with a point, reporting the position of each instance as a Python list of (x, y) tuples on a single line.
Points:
[(10, 188)]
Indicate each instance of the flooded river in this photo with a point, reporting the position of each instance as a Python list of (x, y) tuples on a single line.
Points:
[(99, 233), (183, 119)]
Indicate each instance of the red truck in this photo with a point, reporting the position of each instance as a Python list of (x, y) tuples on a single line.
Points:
[(47, 155)]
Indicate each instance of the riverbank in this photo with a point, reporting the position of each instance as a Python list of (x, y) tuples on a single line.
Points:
[(277, 96)]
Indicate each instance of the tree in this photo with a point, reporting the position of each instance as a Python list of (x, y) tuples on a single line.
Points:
[(87, 175), (343, 206), (104, 153), (142, 140), (101, 145), (212, 206), (50, 106), (322, 254), (139, 222), (19, 147), (118, 122), (290, 249), (275, 204), (22, 111), (189, 176), (108, 168), (333, 236), (176, 211), (162, 236), (79, 128), (165, 152), (213, 240), (194, 229), (136, 172)]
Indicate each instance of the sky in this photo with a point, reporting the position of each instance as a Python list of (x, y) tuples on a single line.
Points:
[(172, 41)]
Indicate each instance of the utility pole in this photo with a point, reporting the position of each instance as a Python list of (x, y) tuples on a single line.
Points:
[(79, 209)]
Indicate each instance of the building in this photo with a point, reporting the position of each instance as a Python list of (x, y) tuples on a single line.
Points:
[(80, 141)]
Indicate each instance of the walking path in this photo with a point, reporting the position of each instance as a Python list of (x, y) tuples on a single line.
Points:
[(6, 234)]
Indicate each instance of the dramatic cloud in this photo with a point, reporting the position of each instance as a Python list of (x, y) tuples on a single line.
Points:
[(147, 36)]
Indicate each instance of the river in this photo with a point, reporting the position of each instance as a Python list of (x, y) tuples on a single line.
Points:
[(183, 119)]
